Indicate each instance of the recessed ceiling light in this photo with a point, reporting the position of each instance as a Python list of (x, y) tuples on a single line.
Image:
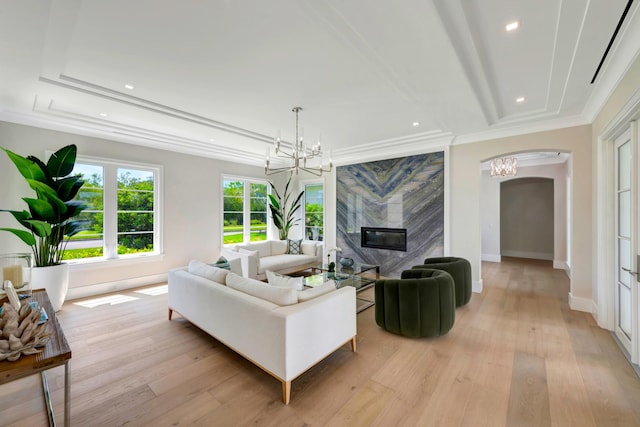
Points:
[(130, 87), (415, 124), (512, 25), (211, 140), (520, 99), (103, 114)]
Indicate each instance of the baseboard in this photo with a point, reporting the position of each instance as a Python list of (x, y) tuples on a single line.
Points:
[(491, 257), (529, 255), (476, 286), (120, 285), (583, 304), (560, 265)]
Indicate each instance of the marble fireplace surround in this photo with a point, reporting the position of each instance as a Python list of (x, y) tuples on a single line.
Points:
[(406, 192)]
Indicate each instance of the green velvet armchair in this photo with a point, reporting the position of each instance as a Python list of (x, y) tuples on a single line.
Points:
[(419, 304), (459, 269)]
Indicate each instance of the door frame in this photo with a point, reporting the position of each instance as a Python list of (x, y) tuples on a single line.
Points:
[(628, 342), (604, 262)]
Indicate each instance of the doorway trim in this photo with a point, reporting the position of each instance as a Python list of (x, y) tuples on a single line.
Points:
[(605, 239)]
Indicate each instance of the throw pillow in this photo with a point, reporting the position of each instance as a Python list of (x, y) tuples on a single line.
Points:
[(281, 281), (222, 262), (312, 293), (309, 248), (279, 247), (273, 294), (294, 247), (201, 269)]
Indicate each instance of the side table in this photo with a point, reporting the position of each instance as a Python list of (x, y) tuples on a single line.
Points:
[(56, 353)]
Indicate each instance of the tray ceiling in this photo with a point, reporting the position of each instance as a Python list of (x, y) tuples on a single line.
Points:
[(219, 78)]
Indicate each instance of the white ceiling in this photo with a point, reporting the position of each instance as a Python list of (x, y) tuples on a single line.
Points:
[(363, 70)]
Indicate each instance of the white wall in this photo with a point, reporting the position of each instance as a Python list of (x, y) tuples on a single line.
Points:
[(466, 191), (191, 204), (490, 210)]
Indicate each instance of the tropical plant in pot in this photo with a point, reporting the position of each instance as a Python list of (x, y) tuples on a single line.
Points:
[(283, 213), (49, 221)]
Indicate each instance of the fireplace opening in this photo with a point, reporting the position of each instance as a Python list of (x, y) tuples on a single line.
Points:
[(394, 239)]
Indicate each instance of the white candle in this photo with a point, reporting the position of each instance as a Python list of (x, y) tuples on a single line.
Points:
[(13, 273)]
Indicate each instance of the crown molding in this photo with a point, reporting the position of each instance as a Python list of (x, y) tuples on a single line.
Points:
[(425, 142), (523, 129), (129, 135)]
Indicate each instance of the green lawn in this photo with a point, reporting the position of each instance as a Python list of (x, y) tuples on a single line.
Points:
[(238, 238)]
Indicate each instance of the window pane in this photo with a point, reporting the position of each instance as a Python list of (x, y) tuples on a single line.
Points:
[(258, 190), (258, 205), (233, 188), (314, 211), (258, 201), (130, 243), (233, 227), (89, 243), (135, 210), (258, 226), (233, 204)]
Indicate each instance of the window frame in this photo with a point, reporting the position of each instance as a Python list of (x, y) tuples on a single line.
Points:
[(110, 209), (246, 207)]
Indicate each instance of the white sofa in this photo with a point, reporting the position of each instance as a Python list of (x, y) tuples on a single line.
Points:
[(285, 341), (258, 257)]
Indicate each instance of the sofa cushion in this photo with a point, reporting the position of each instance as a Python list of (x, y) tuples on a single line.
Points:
[(263, 248), (278, 247), (283, 262), (276, 295), (282, 281), (294, 247), (248, 252), (316, 291), (201, 269), (309, 248)]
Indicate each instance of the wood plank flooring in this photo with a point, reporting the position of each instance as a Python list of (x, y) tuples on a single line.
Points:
[(516, 356)]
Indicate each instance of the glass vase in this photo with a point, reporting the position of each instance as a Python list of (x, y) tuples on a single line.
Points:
[(17, 268)]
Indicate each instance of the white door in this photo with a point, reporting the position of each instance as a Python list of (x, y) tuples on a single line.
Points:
[(626, 290)]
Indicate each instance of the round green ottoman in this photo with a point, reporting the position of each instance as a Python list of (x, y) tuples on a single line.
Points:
[(419, 304), (460, 270)]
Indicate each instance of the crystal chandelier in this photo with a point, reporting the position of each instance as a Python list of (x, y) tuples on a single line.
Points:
[(504, 166), (300, 156)]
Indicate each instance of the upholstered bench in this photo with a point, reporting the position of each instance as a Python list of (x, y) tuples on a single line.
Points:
[(419, 304), (459, 269)]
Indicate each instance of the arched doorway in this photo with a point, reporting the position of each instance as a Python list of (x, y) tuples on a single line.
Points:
[(554, 166)]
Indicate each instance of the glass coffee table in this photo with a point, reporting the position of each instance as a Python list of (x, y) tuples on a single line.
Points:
[(360, 276)]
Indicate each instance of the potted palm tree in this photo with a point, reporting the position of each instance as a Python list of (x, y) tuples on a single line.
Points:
[(49, 221), (282, 213)]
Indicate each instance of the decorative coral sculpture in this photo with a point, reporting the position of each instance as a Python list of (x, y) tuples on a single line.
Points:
[(20, 333)]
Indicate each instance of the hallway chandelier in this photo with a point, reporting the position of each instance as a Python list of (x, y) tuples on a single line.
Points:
[(504, 166), (300, 156)]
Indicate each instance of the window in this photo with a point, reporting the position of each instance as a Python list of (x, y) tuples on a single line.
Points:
[(122, 216), (314, 211), (244, 210)]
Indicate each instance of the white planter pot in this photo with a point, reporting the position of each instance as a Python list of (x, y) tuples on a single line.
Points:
[(55, 279)]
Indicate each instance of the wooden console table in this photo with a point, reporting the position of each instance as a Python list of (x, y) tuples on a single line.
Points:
[(55, 353)]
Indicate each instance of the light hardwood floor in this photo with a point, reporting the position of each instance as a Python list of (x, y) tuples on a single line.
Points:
[(516, 356)]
